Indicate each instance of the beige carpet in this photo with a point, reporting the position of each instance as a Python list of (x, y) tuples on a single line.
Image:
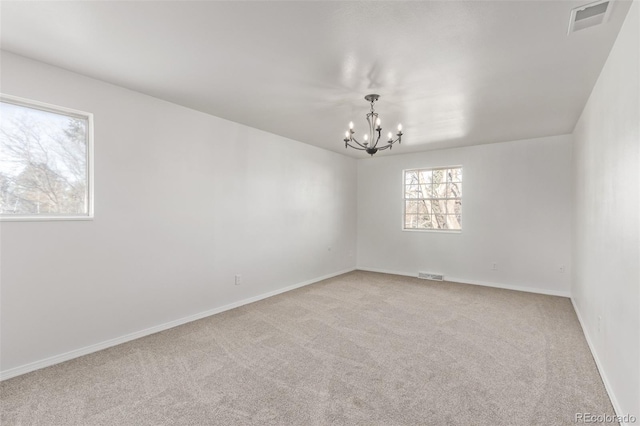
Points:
[(362, 348)]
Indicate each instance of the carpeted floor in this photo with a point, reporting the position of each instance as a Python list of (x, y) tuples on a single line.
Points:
[(362, 348)]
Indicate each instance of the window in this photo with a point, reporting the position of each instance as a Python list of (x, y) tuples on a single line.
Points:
[(45, 161), (433, 199)]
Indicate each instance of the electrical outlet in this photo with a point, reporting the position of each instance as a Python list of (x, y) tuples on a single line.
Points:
[(494, 266), (238, 279), (599, 323), (561, 269)]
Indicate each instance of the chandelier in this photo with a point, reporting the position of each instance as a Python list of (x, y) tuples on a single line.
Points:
[(370, 142)]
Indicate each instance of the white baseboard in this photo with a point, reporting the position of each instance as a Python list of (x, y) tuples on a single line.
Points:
[(476, 282), (37, 365), (607, 385)]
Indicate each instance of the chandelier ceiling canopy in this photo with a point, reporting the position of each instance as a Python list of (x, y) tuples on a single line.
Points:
[(371, 139)]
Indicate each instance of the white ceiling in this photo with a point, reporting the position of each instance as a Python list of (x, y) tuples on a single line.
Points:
[(454, 73)]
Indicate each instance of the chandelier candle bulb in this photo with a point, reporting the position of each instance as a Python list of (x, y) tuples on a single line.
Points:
[(399, 127), (351, 125)]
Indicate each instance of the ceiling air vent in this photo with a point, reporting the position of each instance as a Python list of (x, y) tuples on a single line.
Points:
[(589, 15)]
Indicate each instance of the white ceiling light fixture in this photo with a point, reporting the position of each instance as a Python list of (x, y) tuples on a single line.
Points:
[(589, 15), (371, 139)]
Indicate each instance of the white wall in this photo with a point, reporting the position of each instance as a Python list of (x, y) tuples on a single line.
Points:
[(183, 202), (516, 212), (607, 215)]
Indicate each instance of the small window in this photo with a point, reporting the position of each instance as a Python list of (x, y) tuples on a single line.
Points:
[(45, 161), (433, 199)]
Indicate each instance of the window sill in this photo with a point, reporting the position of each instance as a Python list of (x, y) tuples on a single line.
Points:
[(43, 218), (438, 231)]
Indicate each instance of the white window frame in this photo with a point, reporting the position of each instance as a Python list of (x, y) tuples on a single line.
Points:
[(404, 201), (28, 103)]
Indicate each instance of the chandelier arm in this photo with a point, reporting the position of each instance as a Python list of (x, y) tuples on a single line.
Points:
[(398, 139), (356, 141), (355, 147), (389, 144), (373, 145), (378, 139)]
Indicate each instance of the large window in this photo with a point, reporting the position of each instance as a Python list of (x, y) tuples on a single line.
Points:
[(45, 161), (433, 199)]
